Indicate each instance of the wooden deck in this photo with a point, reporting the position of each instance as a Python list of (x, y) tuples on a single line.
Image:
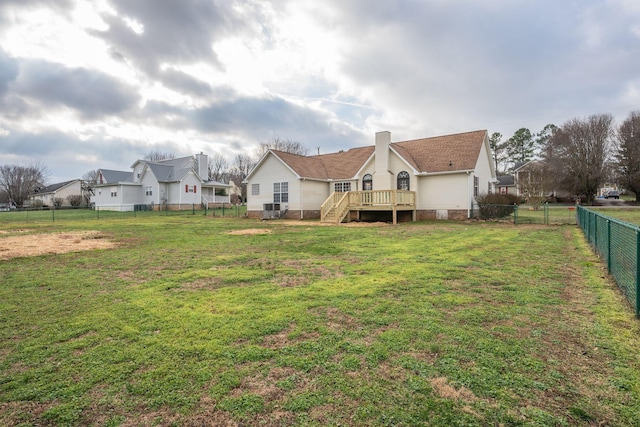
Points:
[(337, 207)]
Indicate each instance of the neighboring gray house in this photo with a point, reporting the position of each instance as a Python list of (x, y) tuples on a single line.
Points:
[(47, 196), (172, 184)]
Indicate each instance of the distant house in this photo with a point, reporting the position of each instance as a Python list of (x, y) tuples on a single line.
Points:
[(169, 184), (56, 194), (506, 185), (532, 178), (435, 177)]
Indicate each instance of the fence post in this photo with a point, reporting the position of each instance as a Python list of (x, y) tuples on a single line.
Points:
[(609, 245), (637, 273), (515, 214), (546, 213)]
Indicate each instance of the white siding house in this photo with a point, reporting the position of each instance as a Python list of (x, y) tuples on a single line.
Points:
[(170, 184), (49, 195), (425, 178)]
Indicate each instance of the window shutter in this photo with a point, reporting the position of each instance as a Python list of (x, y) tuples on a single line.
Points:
[(194, 189), (186, 188)]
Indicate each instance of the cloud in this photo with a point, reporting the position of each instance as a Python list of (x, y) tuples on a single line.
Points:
[(8, 72), (259, 118), (170, 32), (184, 83), (90, 93)]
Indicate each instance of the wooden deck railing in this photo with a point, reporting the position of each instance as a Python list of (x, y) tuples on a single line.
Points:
[(338, 205), (381, 198)]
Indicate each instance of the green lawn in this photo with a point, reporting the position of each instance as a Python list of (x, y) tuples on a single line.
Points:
[(195, 320), (630, 214)]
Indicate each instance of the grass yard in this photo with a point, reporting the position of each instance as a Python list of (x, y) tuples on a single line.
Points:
[(627, 214), (194, 320), (555, 214)]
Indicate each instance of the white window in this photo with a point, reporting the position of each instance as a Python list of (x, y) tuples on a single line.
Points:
[(280, 192), (342, 187), (476, 184), (255, 189), (190, 188), (148, 190)]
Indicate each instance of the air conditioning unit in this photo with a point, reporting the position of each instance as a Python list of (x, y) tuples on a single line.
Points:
[(271, 211)]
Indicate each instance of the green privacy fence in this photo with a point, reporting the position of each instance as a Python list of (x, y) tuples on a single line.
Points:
[(618, 243)]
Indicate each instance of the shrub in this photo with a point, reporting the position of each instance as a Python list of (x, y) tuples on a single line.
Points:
[(75, 200), (495, 206)]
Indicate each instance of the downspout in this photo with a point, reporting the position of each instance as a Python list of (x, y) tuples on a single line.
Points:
[(301, 200), (468, 196)]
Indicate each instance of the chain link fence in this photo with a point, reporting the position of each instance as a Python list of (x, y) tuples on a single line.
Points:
[(618, 244), (523, 214), (75, 214)]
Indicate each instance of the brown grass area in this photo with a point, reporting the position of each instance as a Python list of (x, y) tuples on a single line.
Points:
[(286, 337), (26, 245), (250, 232)]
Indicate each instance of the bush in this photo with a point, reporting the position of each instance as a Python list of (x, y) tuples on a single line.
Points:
[(495, 206), (75, 200)]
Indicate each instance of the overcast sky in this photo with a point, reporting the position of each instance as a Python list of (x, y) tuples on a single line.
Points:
[(88, 84)]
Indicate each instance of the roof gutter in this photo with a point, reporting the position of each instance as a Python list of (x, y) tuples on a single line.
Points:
[(467, 171)]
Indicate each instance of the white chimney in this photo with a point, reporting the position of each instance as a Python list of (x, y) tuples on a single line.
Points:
[(382, 175), (203, 166)]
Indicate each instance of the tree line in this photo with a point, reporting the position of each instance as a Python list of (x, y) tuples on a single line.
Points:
[(580, 156)]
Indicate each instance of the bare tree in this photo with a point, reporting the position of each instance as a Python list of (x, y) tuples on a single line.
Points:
[(158, 156), (20, 181), (286, 145), (583, 150), (218, 166), (535, 182), (240, 168), (89, 181), (627, 156)]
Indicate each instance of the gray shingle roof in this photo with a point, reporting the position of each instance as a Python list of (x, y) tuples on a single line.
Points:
[(506, 181), (113, 176), (53, 187)]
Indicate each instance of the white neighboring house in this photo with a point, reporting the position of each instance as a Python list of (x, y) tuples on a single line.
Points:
[(168, 184), (425, 178), (61, 190)]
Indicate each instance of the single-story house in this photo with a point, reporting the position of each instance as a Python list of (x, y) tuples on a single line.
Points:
[(436, 177), (56, 194), (168, 184)]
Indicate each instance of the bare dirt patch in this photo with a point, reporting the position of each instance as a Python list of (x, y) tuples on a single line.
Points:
[(27, 245), (250, 231), (443, 389)]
